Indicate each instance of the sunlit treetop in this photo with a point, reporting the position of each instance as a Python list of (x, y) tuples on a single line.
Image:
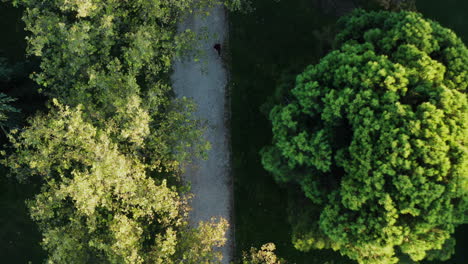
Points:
[(113, 58), (98, 205), (375, 135)]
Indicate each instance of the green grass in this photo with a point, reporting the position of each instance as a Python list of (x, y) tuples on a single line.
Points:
[(19, 237), (263, 44), (12, 43), (279, 37)]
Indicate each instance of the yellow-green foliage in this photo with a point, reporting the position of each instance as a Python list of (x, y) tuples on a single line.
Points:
[(113, 57), (264, 255), (5, 108), (109, 151), (97, 204), (375, 134)]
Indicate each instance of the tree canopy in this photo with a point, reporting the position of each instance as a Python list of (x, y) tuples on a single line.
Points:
[(98, 205), (113, 58), (109, 150), (375, 135)]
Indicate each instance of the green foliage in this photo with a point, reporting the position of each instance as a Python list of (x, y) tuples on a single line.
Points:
[(109, 155), (111, 50), (177, 137), (5, 108), (266, 255), (244, 6), (97, 204), (114, 58), (6, 72), (196, 245), (375, 134)]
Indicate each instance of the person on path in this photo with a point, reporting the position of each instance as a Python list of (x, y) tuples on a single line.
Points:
[(217, 47)]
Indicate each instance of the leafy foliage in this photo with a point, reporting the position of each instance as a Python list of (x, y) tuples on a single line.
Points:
[(375, 135), (6, 71), (109, 152), (244, 6), (196, 245), (113, 58), (266, 255), (97, 204), (5, 108)]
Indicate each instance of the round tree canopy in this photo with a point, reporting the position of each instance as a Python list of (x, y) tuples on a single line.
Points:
[(375, 135)]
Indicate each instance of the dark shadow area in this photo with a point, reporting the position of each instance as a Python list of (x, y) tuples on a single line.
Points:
[(277, 38), (19, 237)]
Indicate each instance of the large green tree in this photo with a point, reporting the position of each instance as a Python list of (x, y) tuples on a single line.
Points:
[(375, 135), (98, 205)]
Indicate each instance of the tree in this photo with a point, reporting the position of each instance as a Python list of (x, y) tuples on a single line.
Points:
[(114, 58), (98, 205), (375, 135)]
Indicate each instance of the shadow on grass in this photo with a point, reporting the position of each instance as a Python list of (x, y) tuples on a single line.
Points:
[(277, 37)]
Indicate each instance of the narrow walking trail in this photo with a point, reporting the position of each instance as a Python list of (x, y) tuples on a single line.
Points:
[(205, 82)]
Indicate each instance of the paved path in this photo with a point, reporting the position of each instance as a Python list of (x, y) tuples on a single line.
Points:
[(206, 83)]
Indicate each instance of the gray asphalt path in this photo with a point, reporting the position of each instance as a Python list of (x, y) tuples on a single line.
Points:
[(206, 82)]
